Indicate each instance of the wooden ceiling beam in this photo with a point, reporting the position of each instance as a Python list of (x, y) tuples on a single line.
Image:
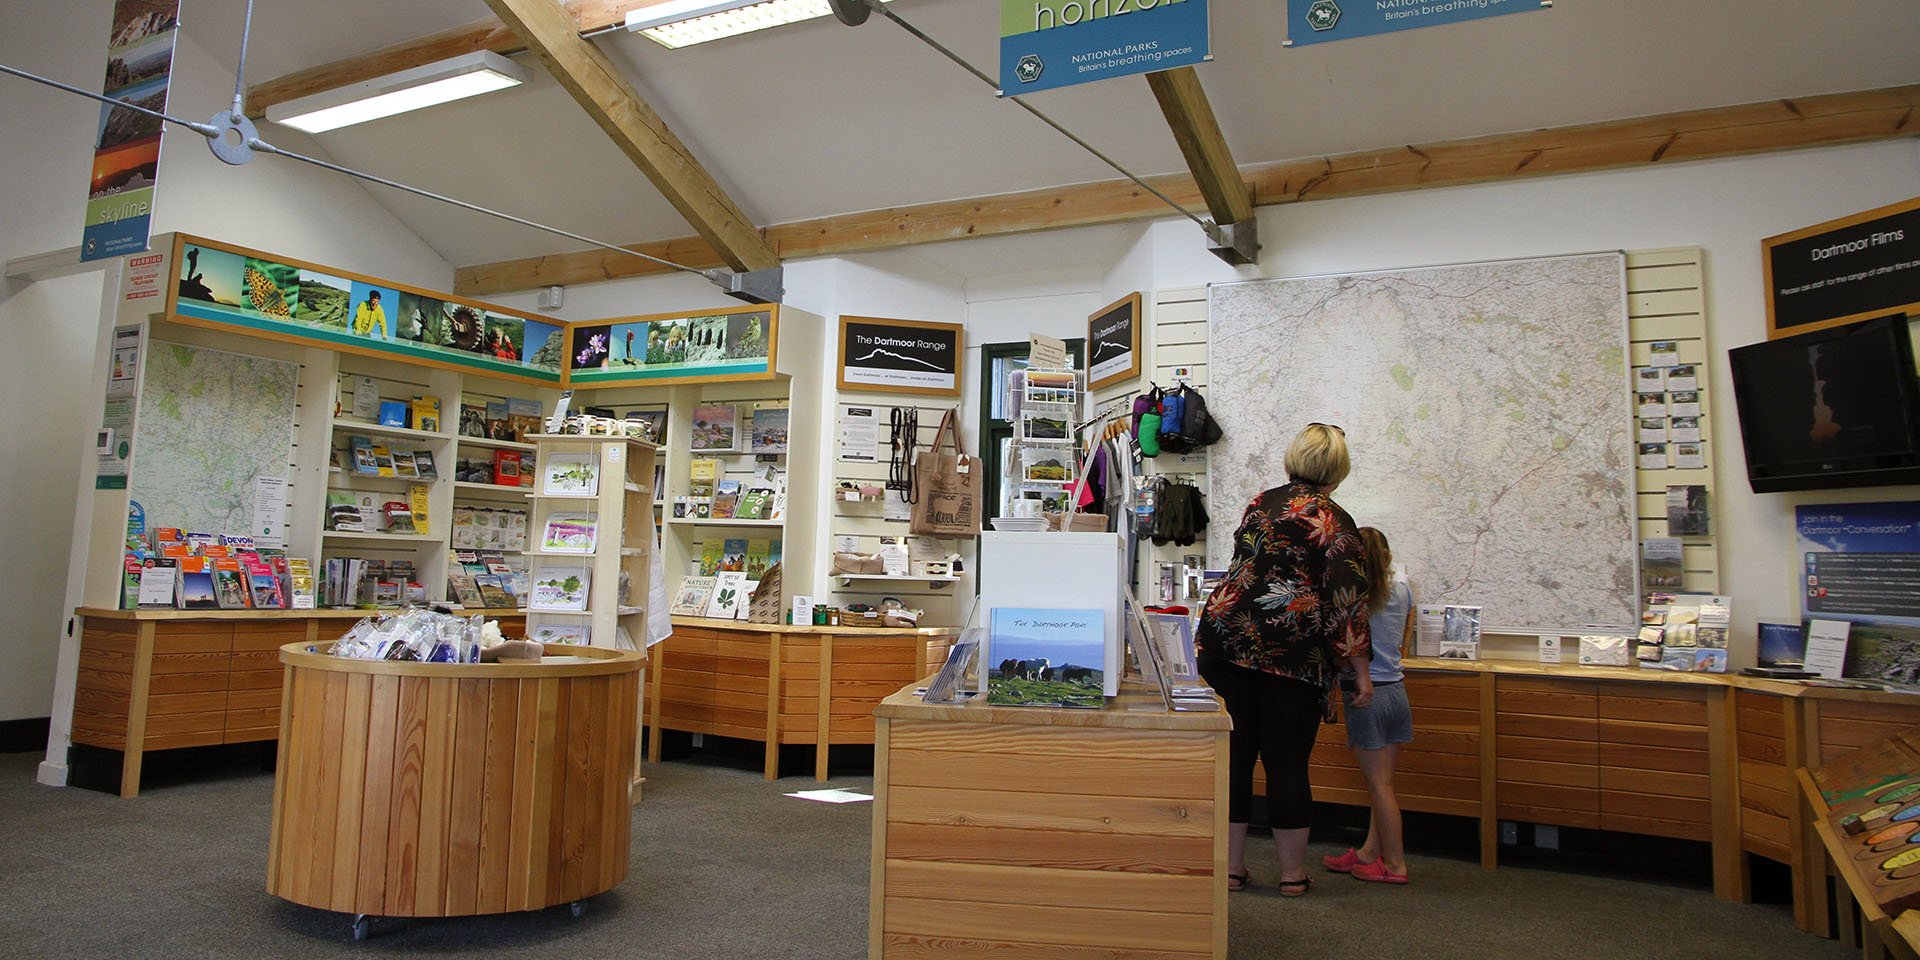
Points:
[(1825, 120), (604, 93), (489, 34), (1184, 103)]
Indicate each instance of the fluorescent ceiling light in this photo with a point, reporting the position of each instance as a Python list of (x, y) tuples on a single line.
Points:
[(679, 23), (463, 76)]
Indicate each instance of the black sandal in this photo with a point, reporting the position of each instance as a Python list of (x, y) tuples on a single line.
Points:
[(1295, 888), (1237, 882)]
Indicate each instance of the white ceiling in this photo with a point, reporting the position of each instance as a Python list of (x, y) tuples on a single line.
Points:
[(817, 119)]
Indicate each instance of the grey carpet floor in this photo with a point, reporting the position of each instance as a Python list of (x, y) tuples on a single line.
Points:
[(724, 866)]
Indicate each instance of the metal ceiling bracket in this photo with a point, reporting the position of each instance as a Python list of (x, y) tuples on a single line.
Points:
[(1236, 243), (753, 286), (850, 12), (237, 122)]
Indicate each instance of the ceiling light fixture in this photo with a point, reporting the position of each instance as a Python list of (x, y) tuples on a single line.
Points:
[(467, 75), (680, 23)]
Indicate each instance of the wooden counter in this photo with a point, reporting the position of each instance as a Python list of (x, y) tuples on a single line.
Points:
[(160, 679), (784, 684), (442, 789), (1707, 757), (1048, 832)]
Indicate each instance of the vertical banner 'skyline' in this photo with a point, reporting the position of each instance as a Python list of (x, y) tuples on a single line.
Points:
[(126, 153)]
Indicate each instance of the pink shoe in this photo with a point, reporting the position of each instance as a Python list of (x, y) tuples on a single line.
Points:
[(1343, 863), (1376, 872)]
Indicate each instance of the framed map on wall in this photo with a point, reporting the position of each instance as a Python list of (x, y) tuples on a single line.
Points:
[(1488, 411)]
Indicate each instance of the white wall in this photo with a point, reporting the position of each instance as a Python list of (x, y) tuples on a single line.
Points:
[(271, 203), (1725, 207)]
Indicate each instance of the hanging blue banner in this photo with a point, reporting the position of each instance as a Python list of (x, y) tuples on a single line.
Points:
[(126, 146), (1057, 43), (1318, 21)]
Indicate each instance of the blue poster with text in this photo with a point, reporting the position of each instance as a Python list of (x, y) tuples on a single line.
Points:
[(1862, 561), (1057, 43), (1318, 21)]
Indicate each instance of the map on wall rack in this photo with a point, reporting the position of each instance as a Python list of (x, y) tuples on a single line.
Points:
[(210, 422), (1487, 411)]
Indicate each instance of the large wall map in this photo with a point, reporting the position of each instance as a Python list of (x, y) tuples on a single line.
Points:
[(210, 422), (1487, 408)]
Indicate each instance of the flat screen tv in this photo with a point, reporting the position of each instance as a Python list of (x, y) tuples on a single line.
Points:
[(1834, 408)]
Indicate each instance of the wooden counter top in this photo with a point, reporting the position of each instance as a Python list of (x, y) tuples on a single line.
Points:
[(840, 631), (561, 660), (1574, 671), (1135, 708), (108, 613)]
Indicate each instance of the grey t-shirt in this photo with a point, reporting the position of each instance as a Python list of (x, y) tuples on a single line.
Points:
[(1387, 627)]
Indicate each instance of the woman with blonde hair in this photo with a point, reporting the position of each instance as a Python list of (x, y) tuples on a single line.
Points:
[(1273, 637), (1376, 729)]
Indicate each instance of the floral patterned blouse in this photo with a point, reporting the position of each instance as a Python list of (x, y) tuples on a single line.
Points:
[(1294, 601)]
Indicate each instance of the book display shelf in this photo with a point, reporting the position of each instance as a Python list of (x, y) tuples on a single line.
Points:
[(791, 416), (590, 547)]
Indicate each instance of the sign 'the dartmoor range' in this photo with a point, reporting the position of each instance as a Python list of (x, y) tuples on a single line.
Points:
[(900, 356)]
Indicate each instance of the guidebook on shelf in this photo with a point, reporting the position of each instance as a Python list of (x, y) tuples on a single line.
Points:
[(383, 460), (465, 590), (729, 595), (691, 599), (726, 499), (266, 590), (733, 555), (493, 590), (576, 632), (759, 556), (196, 591), (571, 475), (710, 555), (560, 587), (300, 590), (703, 474), (769, 433), (426, 414), (569, 533), (523, 418)]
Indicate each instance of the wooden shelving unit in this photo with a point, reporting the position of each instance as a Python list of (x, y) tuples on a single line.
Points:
[(624, 541)]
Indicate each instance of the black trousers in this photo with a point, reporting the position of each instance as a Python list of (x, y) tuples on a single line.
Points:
[(1275, 720)]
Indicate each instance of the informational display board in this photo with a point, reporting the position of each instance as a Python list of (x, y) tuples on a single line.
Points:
[(1834, 273), (1861, 564), (1872, 800), (901, 356), (1057, 43), (730, 343), (1487, 409), (1113, 342), (211, 424), (230, 287)]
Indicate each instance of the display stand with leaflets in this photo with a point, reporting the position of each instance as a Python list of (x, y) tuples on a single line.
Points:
[(590, 543)]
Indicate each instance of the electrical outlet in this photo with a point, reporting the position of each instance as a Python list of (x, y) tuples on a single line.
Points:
[(1509, 833), (1545, 837)]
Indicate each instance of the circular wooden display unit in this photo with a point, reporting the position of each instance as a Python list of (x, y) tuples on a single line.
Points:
[(438, 790)]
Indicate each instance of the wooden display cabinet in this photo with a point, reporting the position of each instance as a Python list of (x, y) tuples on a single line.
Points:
[(621, 506)]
